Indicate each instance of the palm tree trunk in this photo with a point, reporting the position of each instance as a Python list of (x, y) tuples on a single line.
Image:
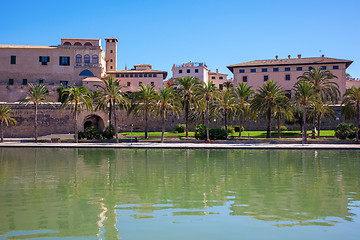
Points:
[(186, 119), (278, 126), (268, 130), (146, 123), (318, 126), (110, 107), (207, 121), (241, 123), (163, 126), (304, 138), (115, 123), (314, 125), (75, 127), (225, 121), (2, 131), (357, 121), (35, 117)]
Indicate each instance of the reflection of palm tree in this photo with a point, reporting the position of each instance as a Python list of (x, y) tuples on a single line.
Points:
[(79, 98), (352, 105), (143, 103), (5, 118), (36, 94)]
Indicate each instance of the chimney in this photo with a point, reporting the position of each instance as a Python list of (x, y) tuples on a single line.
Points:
[(299, 56), (217, 70), (322, 56), (289, 56), (276, 57), (125, 67)]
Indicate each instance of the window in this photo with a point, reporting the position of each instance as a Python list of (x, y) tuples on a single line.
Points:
[(13, 59), (78, 58), (152, 84), (187, 70), (180, 71), (299, 69), (122, 75), (323, 67), (150, 75), (11, 81), (287, 69), (221, 86), (287, 77), (111, 51), (140, 75), (140, 84), (288, 93), (95, 59), (107, 40), (86, 58), (242, 71), (117, 75), (221, 77), (264, 70), (128, 84), (40, 81), (212, 77), (196, 70), (24, 82), (245, 79), (113, 40), (44, 60), (64, 61), (64, 83), (275, 69), (136, 75), (310, 68), (126, 75), (253, 70), (110, 67), (131, 75), (145, 75), (266, 77), (335, 67), (110, 60), (154, 75)]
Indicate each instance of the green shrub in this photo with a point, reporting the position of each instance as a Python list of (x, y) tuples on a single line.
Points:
[(237, 128), (92, 133), (352, 133), (180, 128), (230, 129), (200, 132), (282, 128), (81, 135), (214, 134), (109, 132), (342, 131)]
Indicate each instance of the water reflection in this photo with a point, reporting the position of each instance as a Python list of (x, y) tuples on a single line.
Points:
[(104, 193)]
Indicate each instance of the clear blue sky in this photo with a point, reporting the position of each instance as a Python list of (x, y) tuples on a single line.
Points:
[(220, 33)]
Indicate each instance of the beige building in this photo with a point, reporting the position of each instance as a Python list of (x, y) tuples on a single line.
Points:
[(286, 71), (219, 79), (140, 74)]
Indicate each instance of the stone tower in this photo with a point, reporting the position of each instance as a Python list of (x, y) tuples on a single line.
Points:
[(111, 53)]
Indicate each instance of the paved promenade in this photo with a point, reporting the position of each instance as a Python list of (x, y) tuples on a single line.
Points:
[(184, 145)]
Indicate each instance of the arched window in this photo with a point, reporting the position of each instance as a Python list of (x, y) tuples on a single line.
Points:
[(95, 59), (86, 58), (77, 44), (87, 44), (86, 73), (78, 58), (67, 43)]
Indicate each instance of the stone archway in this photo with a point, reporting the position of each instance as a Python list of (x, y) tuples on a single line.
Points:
[(94, 121)]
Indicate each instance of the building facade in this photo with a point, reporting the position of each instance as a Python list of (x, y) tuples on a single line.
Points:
[(286, 71), (219, 79)]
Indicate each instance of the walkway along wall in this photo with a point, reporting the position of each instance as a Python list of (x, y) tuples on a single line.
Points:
[(53, 120)]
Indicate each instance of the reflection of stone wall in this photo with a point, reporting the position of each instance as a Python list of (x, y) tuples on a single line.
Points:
[(55, 120)]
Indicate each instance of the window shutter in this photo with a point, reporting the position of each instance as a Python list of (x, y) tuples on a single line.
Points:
[(60, 60), (40, 58), (68, 60), (48, 59)]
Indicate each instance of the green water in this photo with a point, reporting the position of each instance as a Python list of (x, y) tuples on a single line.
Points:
[(179, 194)]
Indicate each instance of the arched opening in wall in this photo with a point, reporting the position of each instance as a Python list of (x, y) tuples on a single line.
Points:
[(67, 43), (87, 44), (94, 121), (77, 44), (86, 73)]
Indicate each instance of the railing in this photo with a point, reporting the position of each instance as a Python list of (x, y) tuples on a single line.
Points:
[(192, 64)]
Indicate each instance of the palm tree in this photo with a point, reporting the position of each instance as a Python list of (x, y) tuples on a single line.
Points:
[(36, 94), (227, 104), (352, 103), (228, 84), (265, 99), (322, 111), (282, 110), (79, 98), (326, 89), (110, 94), (243, 93), (305, 94), (5, 118), (143, 103), (209, 93), (166, 101), (186, 87)]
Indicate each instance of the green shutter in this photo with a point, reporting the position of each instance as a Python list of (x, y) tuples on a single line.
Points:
[(60, 60), (68, 60), (40, 59), (48, 59)]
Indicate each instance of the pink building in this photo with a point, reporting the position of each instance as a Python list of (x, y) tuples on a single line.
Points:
[(286, 71)]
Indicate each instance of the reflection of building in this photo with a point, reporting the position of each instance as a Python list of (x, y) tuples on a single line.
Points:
[(286, 71), (140, 74)]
